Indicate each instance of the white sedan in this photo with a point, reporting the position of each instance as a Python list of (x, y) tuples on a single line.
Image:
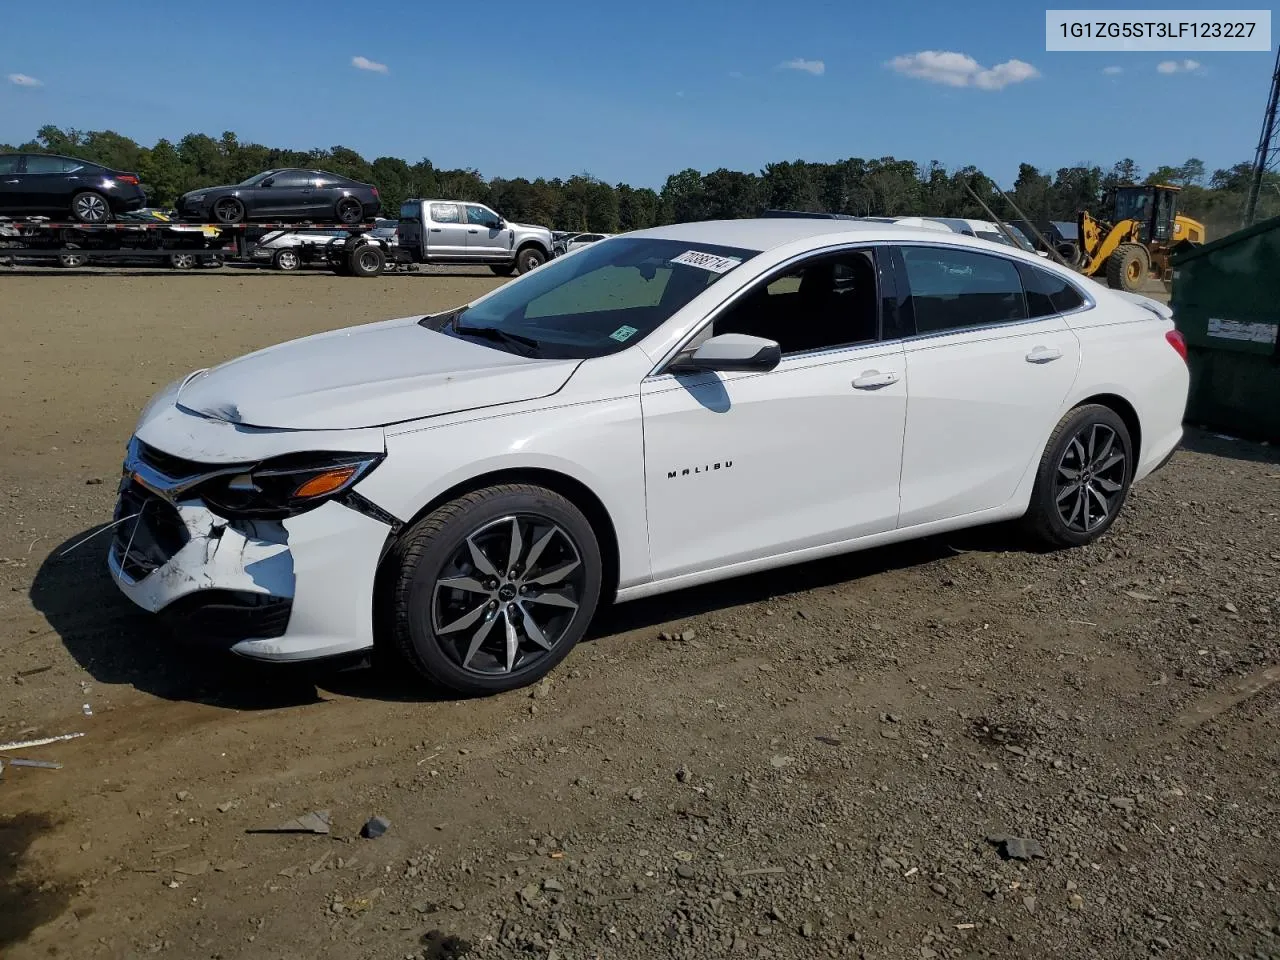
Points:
[(662, 409)]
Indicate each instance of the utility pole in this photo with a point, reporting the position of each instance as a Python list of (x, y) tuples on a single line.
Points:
[(1268, 155)]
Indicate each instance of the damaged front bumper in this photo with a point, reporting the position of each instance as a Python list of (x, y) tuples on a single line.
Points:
[(294, 589)]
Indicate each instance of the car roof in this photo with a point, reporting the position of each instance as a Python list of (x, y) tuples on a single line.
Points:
[(768, 232)]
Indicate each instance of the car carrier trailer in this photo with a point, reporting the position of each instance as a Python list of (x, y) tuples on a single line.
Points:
[(182, 245)]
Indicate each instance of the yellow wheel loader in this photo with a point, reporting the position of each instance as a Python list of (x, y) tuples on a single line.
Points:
[(1135, 244)]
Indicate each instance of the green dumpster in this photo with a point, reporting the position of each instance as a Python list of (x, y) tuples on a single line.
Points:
[(1226, 303)]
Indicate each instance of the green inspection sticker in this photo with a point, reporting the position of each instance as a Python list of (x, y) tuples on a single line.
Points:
[(624, 333)]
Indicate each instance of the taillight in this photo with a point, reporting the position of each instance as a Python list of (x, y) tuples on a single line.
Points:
[(1178, 342), (127, 178), (375, 191)]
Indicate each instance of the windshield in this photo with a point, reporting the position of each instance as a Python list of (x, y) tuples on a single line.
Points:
[(599, 301), (1021, 238), (993, 236)]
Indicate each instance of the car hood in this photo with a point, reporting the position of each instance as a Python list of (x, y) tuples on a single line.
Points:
[(367, 376), (530, 226)]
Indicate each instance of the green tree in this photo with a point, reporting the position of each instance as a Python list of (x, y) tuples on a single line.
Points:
[(730, 195)]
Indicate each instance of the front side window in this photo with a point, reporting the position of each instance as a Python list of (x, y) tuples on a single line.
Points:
[(445, 213), (613, 294), (480, 216), (257, 178), (956, 289), (293, 179), (829, 301)]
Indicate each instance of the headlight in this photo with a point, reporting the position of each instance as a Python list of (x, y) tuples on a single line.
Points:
[(286, 486)]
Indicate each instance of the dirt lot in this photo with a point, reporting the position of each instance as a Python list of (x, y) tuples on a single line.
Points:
[(815, 766)]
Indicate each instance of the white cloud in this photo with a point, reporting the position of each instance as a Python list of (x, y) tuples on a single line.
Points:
[(22, 80), (1113, 71), (364, 63), (961, 70), (1178, 66), (816, 67)]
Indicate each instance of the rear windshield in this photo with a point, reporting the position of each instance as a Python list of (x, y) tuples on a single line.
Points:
[(604, 298), (410, 211)]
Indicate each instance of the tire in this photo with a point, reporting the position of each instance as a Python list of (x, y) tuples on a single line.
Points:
[(502, 269), (349, 210), (228, 210), (287, 259), (90, 207), (529, 258), (72, 260), (366, 260), (1128, 267), (182, 261), (454, 543), (1087, 440)]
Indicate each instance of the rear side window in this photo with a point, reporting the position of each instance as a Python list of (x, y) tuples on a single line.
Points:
[(38, 163), (445, 213), (1048, 293), (8, 164), (957, 289)]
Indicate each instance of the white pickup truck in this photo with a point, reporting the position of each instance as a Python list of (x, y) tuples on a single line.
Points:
[(452, 231)]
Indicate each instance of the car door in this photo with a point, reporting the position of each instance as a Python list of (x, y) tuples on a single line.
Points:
[(988, 381), (12, 197), (741, 466), (447, 232), (286, 194), (484, 240), (48, 182)]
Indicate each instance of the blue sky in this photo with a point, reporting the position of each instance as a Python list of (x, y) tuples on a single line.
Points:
[(627, 92)]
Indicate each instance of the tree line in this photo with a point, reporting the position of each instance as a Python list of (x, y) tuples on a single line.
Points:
[(863, 187)]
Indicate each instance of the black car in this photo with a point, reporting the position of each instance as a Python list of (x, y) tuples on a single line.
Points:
[(44, 184), (290, 194)]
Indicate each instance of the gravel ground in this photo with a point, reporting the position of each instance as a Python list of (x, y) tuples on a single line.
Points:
[(953, 748)]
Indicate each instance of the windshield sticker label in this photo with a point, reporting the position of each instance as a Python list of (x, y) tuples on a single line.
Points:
[(706, 261), (624, 333)]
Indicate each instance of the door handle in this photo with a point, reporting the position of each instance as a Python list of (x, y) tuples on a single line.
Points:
[(1043, 354), (11, 181), (473, 231), (874, 380), (436, 230)]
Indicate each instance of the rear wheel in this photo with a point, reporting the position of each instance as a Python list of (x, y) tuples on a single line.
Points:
[(90, 207), (72, 260), (366, 260), (182, 261), (1083, 479), (529, 258), (286, 259), (349, 210), (495, 588), (1127, 268), (228, 210), (502, 269)]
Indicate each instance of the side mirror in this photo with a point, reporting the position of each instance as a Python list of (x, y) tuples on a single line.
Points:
[(496, 224), (267, 182), (733, 351)]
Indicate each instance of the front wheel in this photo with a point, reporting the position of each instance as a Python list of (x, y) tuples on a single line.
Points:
[(528, 259), (72, 260), (1083, 479), (182, 261), (228, 210), (495, 588), (286, 259)]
